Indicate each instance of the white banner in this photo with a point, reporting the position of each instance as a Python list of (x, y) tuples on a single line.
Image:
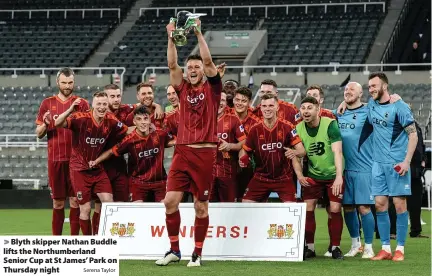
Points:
[(59, 255), (237, 231)]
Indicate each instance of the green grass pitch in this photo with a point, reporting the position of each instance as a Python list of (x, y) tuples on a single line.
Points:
[(417, 253)]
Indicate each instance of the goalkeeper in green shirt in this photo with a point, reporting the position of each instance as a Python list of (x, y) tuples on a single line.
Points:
[(323, 143)]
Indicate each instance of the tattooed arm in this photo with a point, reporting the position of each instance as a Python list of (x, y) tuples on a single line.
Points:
[(412, 144)]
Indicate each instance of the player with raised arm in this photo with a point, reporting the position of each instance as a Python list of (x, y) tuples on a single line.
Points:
[(195, 151), (115, 168), (242, 101), (318, 93), (394, 142), (59, 150), (323, 143), (286, 111), (268, 142), (90, 132), (231, 139), (146, 153), (356, 132), (145, 96)]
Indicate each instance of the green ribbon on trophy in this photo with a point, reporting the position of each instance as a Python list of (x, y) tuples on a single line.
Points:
[(185, 22)]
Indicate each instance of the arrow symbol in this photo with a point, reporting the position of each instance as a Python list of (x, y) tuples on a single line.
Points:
[(6, 242)]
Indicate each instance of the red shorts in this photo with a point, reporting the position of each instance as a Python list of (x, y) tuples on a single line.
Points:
[(191, 170), (86, 183), (119, 185), (141, 190), (320, 189), (223, 189), (59, 181), (243, 179), (259, 190)]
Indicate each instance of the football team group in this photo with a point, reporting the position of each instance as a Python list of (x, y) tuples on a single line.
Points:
[(355, 157)]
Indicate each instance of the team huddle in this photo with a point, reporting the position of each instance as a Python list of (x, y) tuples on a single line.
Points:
[(354, 157)]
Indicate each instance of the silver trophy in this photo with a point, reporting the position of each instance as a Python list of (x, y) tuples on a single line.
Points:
[(185, 22)]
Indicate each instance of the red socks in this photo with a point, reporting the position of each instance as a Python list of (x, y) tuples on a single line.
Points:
[(57, 222), (173, 227), (310, 227), (329, 228), (95, 223), (200, 228), (74, 221), (86, 228), (336, 228)]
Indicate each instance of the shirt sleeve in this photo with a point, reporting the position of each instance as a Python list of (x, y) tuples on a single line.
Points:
[(83, 106), (119, 129), (129, 120), (239, 130), (182, 86), (333, 132), (167, 137), (72, 121), (293, 137), (42, 109), (250, 141), (215, 84), (122, 147), (404, 114)]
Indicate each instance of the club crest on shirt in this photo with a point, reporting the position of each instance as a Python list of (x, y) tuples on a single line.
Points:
[(386, 115), (226, 126), (155, 139), (261, 137), (280, 134), (53, 108)]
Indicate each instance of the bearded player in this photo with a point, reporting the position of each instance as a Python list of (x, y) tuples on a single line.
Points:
[(322, 141), (242, 103), (145, 96), (231, 139), (90, 132), (394, 143), (59, 150), (286, 111), (146, 149), (115, 168), (195, 151), (317, 92), (268, 141)]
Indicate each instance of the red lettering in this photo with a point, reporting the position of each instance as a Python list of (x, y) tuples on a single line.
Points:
[(183, 231), (192, 231), (235, 232), (245, 232), (209, 232), (157, 231), (221, 231)]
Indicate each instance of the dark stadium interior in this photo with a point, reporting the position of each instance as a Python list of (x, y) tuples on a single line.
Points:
[(315, 37)]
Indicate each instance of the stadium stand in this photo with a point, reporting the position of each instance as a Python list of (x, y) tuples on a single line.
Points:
[(329, 35), (37, 39), (415, 28)]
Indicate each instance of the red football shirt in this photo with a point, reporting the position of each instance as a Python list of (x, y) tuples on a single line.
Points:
[(231, 130), (118, 163), (158, 123), (90, 138), (324, 112), (123, 111), (249, 121), (287, 111), (267, 146), (198, 112), (59, 139), (146, 154), (171, 121)]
